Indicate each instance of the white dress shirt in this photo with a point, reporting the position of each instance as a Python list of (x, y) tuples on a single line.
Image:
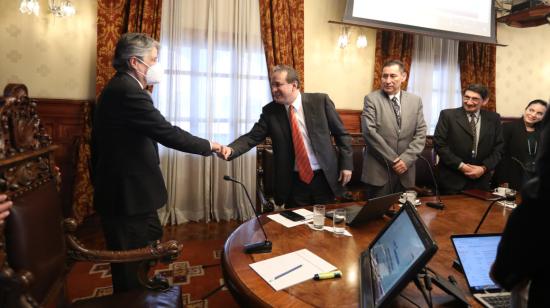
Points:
[(299, 113)]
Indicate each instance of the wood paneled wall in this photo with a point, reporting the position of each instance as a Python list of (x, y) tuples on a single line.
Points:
[(64, 121)]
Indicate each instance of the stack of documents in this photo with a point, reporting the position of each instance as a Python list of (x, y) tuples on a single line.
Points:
[(292, 268)]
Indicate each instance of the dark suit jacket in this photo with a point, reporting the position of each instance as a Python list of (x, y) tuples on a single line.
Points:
[(509, 170), (453, 143), (322, 122), (125, 163)]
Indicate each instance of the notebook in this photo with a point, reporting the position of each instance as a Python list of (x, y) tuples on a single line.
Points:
[(476, 253), (374, 208), (395, 257)]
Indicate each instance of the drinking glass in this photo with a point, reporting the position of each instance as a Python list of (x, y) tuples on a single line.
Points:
[(410, 195), (318, 216), (339, 221), (510, 196)]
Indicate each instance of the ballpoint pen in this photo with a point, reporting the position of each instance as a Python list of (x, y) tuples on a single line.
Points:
[(287, 272)]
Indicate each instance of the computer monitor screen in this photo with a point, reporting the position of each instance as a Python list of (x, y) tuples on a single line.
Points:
[(396, 256), (476, 253)]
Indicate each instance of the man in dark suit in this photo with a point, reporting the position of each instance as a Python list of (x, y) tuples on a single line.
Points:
[(128, 184), (469, 143), (306, 165), (395, 133)]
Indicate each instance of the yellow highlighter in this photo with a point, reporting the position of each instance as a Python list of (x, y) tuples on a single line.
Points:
[(328, 275)]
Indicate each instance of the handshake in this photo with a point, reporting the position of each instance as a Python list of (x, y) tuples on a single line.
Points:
[(223, 152)]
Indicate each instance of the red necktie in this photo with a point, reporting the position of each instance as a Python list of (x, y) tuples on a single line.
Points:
[(302, 161)]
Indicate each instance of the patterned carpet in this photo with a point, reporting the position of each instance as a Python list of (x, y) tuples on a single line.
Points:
[(200, 259)]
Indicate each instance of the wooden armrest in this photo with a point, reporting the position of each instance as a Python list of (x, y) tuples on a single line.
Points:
[(165, 252)]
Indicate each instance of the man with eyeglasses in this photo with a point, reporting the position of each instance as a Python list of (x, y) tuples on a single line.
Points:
[(395, 132), (469, 143), (307, 169)]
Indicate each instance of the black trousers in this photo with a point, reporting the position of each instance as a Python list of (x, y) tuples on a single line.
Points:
[(316, 192), (129, 232)]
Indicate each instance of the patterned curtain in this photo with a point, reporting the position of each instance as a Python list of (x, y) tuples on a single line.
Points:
[(391, 45), (282, 25), (478, 65), (114, 18)]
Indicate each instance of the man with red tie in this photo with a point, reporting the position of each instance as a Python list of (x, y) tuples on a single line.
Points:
[(307, 168)]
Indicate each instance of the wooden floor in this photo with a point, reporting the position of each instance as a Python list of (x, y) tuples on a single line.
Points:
[(91, 236)]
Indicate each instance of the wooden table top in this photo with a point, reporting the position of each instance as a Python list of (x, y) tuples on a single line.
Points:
[(461, 215)]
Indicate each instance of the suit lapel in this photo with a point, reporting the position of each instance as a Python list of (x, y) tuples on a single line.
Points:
[(308, 112), (406, 114), (462, 121), (281, 117), (483, 131)]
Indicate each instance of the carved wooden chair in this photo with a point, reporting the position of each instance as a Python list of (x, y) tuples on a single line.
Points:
[(37, 246)]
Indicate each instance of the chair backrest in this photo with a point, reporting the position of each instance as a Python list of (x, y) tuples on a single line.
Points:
[(33, 233)]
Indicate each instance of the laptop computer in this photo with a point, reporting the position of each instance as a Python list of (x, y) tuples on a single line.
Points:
[(374, 208), (476, 253), (394, 258)]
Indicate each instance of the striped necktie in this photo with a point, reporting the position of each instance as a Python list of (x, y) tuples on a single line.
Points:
[(473, 127), (302, 160), (396, 110)]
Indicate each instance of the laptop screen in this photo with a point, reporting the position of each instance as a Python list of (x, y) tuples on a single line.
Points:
[(398, 253), (476, 253)]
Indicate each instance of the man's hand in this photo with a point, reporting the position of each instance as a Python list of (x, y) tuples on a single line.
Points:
[(216, 147), (4, 207), (399, 166), (472, 171), (225, 152), (345, 177)]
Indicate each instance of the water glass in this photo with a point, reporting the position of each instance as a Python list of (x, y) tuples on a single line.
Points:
[(410, 196), (319, 216), (510, 196), (339, 221)]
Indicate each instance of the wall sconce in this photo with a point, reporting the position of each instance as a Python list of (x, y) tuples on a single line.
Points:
[(58, 8), (361, 41), (62, 8), (343, 39), (29, 7)]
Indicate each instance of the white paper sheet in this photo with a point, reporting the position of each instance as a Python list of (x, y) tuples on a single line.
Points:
[(309, 265), (289, 223)]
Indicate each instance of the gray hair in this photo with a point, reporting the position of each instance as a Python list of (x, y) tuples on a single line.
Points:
[(132, 45), (291, 74)]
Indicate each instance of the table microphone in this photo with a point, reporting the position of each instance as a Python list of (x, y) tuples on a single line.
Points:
[(508, 198), (438, 204), (259, 247)]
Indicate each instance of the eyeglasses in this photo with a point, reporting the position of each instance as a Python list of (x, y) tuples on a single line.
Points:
[(466, 98), (278, 85)]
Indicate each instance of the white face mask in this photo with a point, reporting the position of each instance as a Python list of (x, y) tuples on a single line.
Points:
[(154, 73)]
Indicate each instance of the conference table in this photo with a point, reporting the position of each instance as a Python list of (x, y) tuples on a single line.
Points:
[(461, 215)]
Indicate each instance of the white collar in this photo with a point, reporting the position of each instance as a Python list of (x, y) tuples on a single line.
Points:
[(297, 103), (398, 95)]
